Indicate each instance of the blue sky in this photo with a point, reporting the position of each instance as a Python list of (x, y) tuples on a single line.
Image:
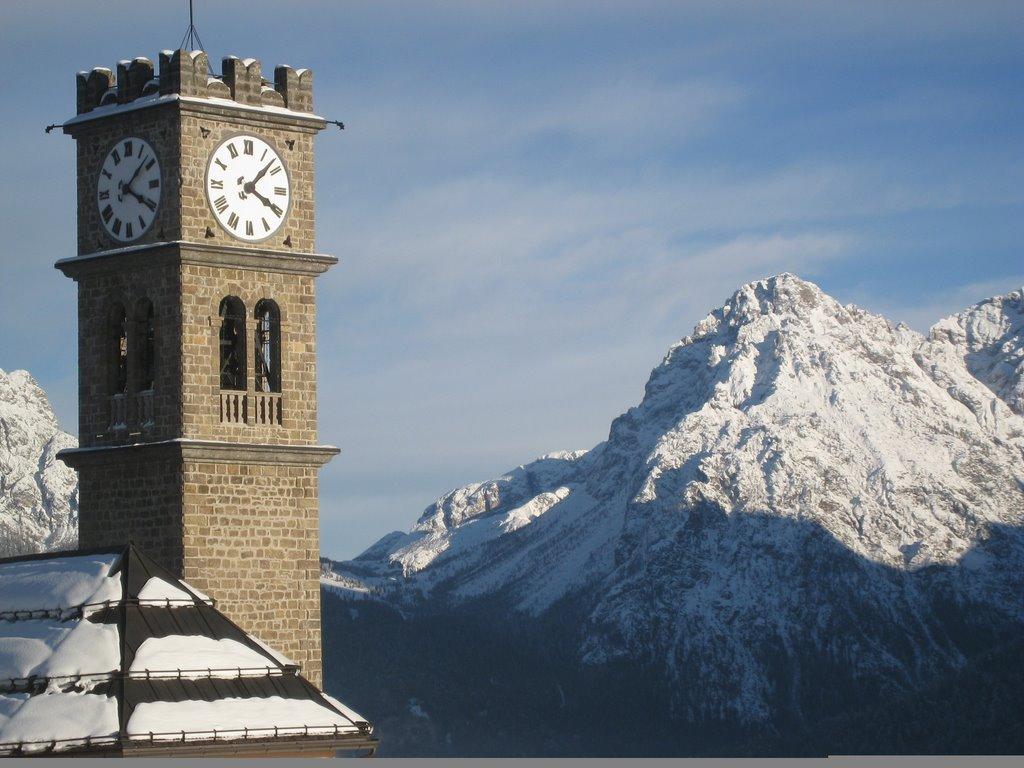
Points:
[(532, 201)]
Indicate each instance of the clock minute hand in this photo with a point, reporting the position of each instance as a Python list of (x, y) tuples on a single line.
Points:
[(250, 186), (127, 185)]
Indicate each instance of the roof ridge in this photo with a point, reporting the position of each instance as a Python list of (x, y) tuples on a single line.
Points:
[(38, 683), (68, 612), (64, 553), (279, 732)]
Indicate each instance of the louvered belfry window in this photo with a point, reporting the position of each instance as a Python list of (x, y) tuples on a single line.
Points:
[(232, 343), (268, 346), (145, 319), (118, 350)]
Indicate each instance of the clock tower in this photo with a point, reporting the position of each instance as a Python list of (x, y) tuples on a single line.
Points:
[(196, 269)]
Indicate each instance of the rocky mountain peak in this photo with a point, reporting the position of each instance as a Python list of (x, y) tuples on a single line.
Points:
[(38, 493), (989, 337)]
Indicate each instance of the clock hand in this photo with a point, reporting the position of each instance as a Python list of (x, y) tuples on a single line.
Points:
[(127, 185), (132, 192), (261, 174), (249, 188), (272, 206), (144, 200)]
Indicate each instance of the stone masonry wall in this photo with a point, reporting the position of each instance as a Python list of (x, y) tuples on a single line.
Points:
[(133, 498), (251, 539)]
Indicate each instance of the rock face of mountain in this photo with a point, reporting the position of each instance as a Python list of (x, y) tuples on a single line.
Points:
[(809, 508), (38, 493)]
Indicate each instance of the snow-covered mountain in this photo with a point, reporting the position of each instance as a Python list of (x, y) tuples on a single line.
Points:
[(38, 493), (807, 500)]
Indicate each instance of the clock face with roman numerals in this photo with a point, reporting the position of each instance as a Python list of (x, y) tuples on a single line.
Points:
[(128, 189), (248, 187)]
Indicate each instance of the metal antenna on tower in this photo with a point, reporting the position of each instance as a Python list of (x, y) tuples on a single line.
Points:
[(191, 40)]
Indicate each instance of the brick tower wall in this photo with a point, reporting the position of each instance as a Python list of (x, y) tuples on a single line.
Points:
[(251, 539), (132, 497)]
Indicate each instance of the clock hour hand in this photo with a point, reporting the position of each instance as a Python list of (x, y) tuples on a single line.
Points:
[(144, 200), (272, 206)]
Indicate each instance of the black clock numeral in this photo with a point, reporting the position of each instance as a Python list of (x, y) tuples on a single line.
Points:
[(106, 173), (105, 194), (216, 183), (221, 204), (218, 162), (142, 223), (128, 149), (151, 163), (265, 150), (232, 151), (107, 212), (149, 203), (154, 183), (117, 157), (116, 228), (266, 226), (276, 209), (247, 146), (275, 170), (248, 228), (280, 191), (233, 220), (128, 229)]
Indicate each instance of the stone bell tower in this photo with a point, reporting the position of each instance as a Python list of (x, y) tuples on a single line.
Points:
[(196, 277)]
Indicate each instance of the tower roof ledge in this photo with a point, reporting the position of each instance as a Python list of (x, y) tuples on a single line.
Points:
[(159, 99)]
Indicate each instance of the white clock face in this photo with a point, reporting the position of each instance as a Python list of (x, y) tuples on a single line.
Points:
[(248, 187), (128, 189)]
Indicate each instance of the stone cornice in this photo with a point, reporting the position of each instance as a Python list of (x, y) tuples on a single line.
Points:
[(202, 451), (219, 108), (306, 122), (201, 254)]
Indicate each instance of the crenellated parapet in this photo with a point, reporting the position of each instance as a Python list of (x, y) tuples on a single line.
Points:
[(187, 73)]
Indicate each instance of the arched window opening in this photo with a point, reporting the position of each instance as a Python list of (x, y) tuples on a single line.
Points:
[(145, 335), (118, 346), (232, 343), (268, 346)]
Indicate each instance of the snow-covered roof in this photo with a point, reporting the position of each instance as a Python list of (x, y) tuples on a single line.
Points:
[(106, 651)]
